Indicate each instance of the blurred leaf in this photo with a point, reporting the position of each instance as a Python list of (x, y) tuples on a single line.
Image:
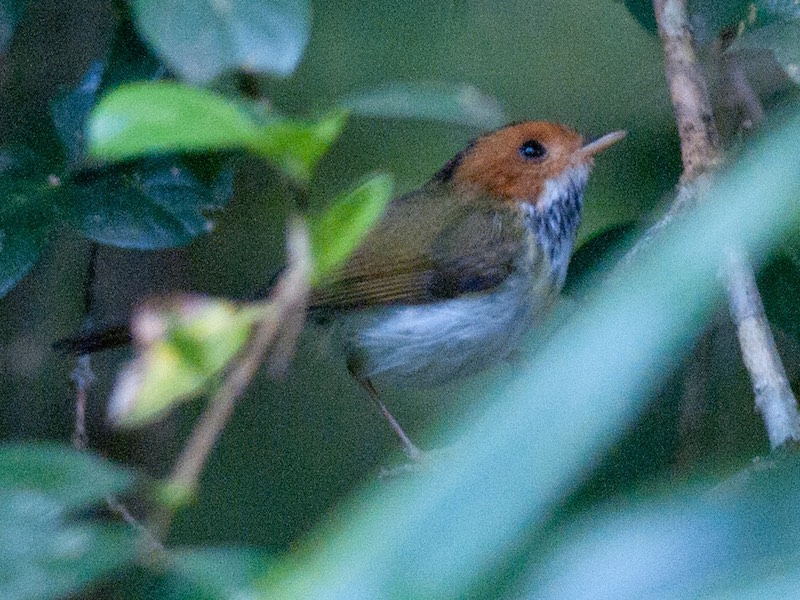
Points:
[(452, 103), (10, 13), (783, 39), (67, 476), (296, 146), (223, 572), (688, 545), (42, 553), (339, 230), (163, 117), (129, 59), (154, 204), (183, 344), (70, 112), (442, 533), (707, 17), (201, 40), (160, 117), (27, 215)]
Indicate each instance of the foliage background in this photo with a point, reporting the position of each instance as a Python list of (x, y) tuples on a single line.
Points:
[(296, 448)]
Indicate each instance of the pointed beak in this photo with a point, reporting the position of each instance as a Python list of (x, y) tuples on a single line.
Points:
[(596, 145)]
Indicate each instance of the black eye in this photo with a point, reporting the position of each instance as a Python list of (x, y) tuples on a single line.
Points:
[(532, 150)]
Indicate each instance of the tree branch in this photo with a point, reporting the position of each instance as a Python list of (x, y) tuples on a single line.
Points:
[(701, 155)]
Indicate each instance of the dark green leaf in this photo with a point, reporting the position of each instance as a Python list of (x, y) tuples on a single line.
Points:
[(155, 204), (200, 39), (451, 103), (765, 12), (67, 476), (783, 39), (779, 284), (339, 230), (71, 111), (129, 59), (27, 215)]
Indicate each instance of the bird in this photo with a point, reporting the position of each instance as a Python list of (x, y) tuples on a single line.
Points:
[(457, 271)]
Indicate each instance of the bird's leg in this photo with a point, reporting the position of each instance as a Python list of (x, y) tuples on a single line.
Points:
[(414, 453)]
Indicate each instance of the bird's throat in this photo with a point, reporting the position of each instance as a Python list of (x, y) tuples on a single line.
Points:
[(555, 217)]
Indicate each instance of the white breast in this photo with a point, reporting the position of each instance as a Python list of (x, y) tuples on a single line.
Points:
[(430, 344)]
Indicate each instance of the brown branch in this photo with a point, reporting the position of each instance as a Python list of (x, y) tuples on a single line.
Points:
[(276, 334), (701, 154), (700, 147)]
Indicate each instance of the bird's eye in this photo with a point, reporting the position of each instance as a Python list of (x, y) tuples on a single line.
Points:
[(532, 150)]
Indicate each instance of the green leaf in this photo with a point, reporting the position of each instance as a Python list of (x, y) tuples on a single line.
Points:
[(451, 103), (130, 59), (783, 39), (27, 215), (70, 112), (296, 146), (155, 204), (223, 572), (161, 117), (201, 39), (71, 478), (339, 230), (694, 543), (184, 344), (166, 117), (43, 554)]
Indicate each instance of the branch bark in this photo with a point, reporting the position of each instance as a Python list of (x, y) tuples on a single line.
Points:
[(701, 154)]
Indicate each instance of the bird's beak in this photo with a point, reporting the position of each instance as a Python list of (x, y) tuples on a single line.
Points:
[(596, 145)]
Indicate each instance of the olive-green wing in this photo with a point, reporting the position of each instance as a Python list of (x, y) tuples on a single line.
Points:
[(426, 247)]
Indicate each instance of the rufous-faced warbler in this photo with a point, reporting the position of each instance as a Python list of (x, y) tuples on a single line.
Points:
[(456, 271)]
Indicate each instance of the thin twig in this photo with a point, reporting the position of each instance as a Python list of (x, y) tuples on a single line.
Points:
[(83, 377), (277, 334), (774, 397), (701, 155)]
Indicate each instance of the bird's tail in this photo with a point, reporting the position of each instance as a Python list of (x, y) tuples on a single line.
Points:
[(95, 340)]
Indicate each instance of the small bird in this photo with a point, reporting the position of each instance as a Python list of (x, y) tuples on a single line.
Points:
[(458, 270)]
